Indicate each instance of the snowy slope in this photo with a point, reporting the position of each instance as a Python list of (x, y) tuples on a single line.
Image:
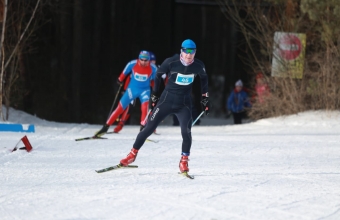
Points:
[(280, 168)]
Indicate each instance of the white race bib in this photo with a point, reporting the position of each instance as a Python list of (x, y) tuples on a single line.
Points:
[(184, 79), (140, 77)]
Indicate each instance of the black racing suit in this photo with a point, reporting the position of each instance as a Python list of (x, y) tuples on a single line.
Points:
[(175, 99)]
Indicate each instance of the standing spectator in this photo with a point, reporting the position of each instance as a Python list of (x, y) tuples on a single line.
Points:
[(141, 74), (237, 102), (261, 88)]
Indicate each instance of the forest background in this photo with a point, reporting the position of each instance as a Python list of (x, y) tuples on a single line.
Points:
[(60, 59)]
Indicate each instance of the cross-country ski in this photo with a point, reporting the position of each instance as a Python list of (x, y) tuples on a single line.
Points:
[(118, 166), (90, 138)]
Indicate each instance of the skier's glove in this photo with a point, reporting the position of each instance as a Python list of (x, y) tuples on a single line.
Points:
[(153, 101), (120, 83), (205, 104)]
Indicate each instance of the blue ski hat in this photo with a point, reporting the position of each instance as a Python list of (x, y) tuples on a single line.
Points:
[(189, 44), (144, 55), (152, 56)]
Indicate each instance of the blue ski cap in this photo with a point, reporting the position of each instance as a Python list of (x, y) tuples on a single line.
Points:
[(152, 56), (144, 55), (188, 44)]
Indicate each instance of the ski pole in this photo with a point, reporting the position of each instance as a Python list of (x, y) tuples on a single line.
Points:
[(146, 117), (197, 118), (114, 102)]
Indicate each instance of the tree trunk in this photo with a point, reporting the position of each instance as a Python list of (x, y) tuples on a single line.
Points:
[(2, 55), (98, 20), (65, 57), (77, 58)]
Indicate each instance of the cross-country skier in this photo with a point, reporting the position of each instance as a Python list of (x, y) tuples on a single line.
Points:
[(127, 112), (141, 74), (181, 71), (152, 58)]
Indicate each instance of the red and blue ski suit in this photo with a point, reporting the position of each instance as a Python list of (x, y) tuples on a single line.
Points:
[(140, 78)]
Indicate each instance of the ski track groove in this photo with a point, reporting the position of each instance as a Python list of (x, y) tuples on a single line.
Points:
[(332, 214)]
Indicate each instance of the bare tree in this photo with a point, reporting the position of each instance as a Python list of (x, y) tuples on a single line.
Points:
[(13, 44), (2, 51), (258, 20)]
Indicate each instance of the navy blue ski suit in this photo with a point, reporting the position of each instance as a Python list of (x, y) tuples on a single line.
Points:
[(175, 99)]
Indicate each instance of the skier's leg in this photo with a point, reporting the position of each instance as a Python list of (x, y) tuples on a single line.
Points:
[(144, 100), (144, 109), (119, 110), (123, 103), (126, 117), (157, 116), (123, 117), (185, 121), (161, 110)]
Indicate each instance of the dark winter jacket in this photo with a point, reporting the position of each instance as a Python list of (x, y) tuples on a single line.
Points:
[(237, 101)]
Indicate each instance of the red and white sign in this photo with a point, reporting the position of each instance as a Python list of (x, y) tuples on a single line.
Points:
[(289, 53), (289, 47)]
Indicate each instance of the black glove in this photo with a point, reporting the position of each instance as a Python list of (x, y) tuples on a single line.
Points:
[(205, 104), (120, 83), (153, 101), (141, 128)]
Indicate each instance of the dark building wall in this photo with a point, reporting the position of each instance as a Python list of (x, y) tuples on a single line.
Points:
[(88, 43)]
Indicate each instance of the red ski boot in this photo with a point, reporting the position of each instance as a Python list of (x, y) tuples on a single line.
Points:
[(130, 158), (119, 127), (183, 164)]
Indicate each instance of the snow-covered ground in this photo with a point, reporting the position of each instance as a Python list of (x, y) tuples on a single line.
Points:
[(280, 168)]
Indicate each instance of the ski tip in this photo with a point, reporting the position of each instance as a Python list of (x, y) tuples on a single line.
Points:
[(132, 166), (186, 174), (153, 141)]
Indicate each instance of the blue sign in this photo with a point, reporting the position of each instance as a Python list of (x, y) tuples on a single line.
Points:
[(17, 128)]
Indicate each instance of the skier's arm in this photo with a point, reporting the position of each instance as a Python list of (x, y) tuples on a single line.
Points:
[(163, 69), (204, 81), (230, 100), (127, 82), (153, 75), (127, 70), (204, 90)]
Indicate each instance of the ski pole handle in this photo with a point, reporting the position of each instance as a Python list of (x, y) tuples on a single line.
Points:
[(197, 118)]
